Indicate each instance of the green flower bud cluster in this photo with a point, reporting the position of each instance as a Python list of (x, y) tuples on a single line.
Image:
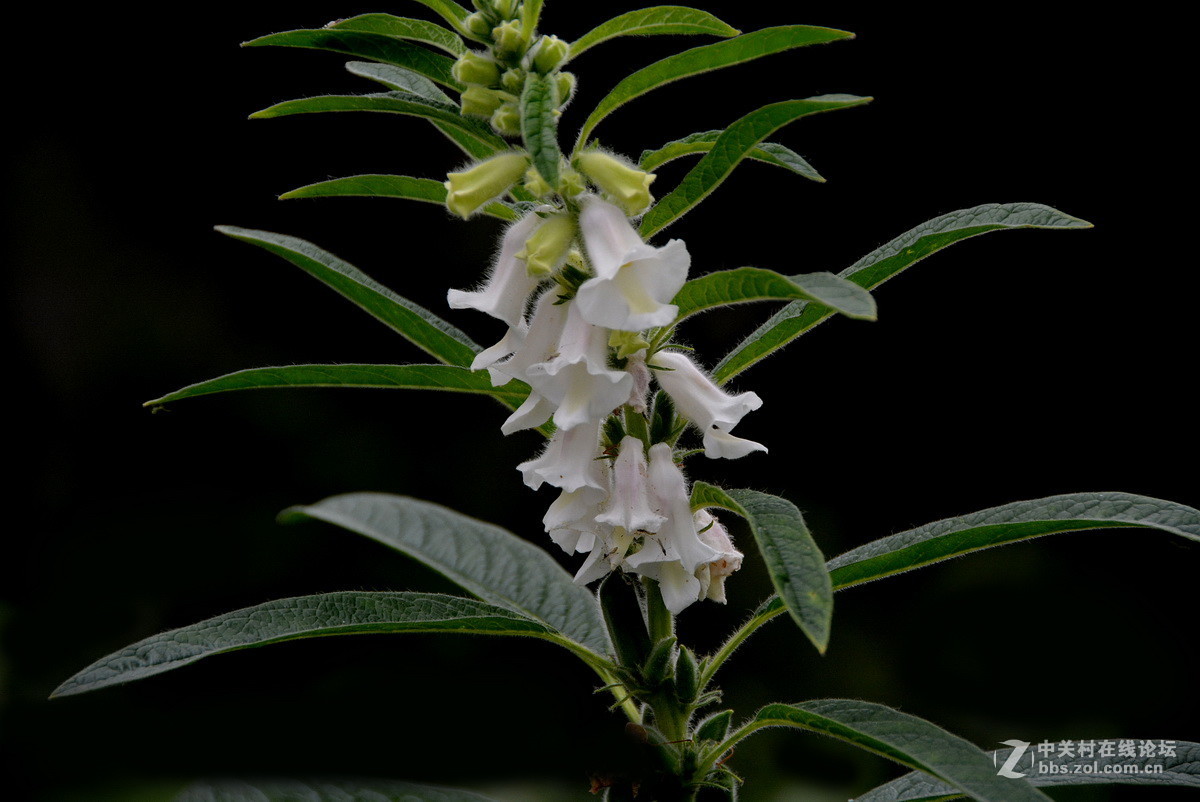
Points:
[(494, 79)]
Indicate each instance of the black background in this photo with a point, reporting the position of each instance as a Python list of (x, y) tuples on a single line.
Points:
[(1012, 366)]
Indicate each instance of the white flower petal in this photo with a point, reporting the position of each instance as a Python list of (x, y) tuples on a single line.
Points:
[(634, 282), (628, 505), (570, 461), (710, 408), (506, 291)]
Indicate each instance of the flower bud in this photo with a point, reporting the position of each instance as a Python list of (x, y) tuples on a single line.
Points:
[(507, 9), (625, 184), (509, 39), (626, 343), (506, 120), (536, 184), (478, 24), (546, 249), (549, 54), (472, 188), (476, 68), (687, 676), (483, 102), (565, 83), (571, 183), (513, 80)]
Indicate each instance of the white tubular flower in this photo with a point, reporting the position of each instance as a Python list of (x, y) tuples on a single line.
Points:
[(634, 282), (570, 461), (533, 412), (577, 379), (509, 284), (540, 342), (503, 349), (712, 575), (628, 504), (571, 519), (676, 552), (713, 410)]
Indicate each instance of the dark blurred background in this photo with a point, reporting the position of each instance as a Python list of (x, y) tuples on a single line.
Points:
[(1013, 366)]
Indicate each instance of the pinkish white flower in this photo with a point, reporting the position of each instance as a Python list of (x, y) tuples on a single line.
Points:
[(710, 408)]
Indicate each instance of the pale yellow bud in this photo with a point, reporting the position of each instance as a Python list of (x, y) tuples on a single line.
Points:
[(506, 120), (549, 54), (547, 248), (483, 102), (472, 188), (626, 185), (536, 184), (473, 68), (509, 39)]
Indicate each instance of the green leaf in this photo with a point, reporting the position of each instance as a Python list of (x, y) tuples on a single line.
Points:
[(400, 80), (746, 47), (389, 186), (745, 284), (730, 148), (999, 526), (392, 377), (489, 562), (887, 261), (371, 46), (473, 139), (347, 613), (702, 142), (539, 125), (448, 10), (793, 560), (1009, 523), (393, 103), (1182, 769), (654, 21), (415, 323), (323, 791), (417, 30), (908, 740)]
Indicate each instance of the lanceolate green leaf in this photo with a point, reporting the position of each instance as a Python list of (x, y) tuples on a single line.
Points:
[(400, 79), (390, 377), (999, 526), (473, 139), (448, 10), (323, 791), (654, 21), (733, 145), (415, 323), (418, 30), (371, 46), (1180, 769), (393, 103), (347, 613), (746, 47), (1009, 523), (881, 264), (389, 186), (702, 142), (794, 561), (490, 562), (745, 284), (539, 125), (908, 740)]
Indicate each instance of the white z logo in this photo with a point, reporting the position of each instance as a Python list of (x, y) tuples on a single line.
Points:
[(1018, 751)]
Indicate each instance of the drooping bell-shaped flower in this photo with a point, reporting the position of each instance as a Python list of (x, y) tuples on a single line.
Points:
[(506, 291), (673, 555), (487, 180), (540, 342), (570, 461), (621, 181), (628, 505), (634, 282), (712, 575), (701, 401), (577, 378)]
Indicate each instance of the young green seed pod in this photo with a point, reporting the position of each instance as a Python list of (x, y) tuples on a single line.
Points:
[(660, 665), (687, 676)]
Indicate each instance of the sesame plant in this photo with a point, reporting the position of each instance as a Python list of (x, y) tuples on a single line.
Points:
[(589, 304)]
